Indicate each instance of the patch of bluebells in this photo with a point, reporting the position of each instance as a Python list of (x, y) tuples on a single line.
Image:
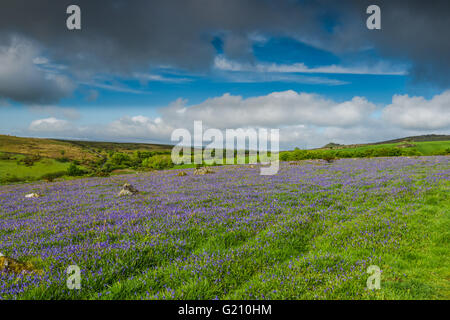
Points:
[(231, 234)]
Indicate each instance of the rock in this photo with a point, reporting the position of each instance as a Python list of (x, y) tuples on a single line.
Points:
[(181, 174), (202, 170), (11, 265), (128, 190), (32, 195)]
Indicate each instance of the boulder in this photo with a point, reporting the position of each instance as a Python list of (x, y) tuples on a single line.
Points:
[(202, 170), (14, 266), (128, 190), (32, 195)]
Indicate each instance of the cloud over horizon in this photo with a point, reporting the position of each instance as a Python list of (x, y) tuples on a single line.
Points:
[(305, 120)]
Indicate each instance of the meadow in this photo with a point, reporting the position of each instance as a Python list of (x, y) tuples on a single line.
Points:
[(66, 159), (309, 232), (11, 168)]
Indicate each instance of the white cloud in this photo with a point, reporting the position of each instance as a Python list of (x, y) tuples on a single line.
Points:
[(272, 110), (418, 113), (50, 125), (112, 87), (221, 63), (254, 77), (143, 77), (139, 127), (305, 120)]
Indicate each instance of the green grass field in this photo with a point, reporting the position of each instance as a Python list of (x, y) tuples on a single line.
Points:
[(38, 169), (426, 148)]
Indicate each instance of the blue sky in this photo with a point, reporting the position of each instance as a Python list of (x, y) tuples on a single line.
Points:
[(105, 104)]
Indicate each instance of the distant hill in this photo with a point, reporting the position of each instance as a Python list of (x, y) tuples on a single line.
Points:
[(332, 145), (82, 151), (424, 138), (405, 141)]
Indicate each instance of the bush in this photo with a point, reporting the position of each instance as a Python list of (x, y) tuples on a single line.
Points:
[(284, 156), (329, 157), (5, 156), (120, 159), (100, 173), (387, 152), (53, 175), (11, 179), (411, 152), (158, 162), (62, 159), (74, 170), (29, 160), (14, 179)]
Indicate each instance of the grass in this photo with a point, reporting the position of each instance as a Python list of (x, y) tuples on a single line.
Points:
[(9, 168), (426, 148), (44, 147), (82, 151)]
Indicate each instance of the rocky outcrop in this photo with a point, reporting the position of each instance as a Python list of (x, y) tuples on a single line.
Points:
[(32, 195), (128, 190), (202, 170), (10, 265)]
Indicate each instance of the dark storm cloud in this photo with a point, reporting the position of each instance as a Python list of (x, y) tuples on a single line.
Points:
[(122, 37), (416, 30)]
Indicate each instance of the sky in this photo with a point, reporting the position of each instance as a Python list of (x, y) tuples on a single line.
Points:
[(138, 70)]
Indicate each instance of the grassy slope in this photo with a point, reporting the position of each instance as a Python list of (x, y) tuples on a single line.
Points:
[(426, 148), (74, 150), (84, 152), (44, 166), (44, 147)]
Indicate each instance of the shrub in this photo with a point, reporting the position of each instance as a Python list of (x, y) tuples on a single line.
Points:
[(411, 152), (329, 157), (120, 159), (11, 179), (29, 160), (284, 156), (101, 173), (53, 175), (158, 162), (5, 156), (74, 170), (14, 179), (387, 152)]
